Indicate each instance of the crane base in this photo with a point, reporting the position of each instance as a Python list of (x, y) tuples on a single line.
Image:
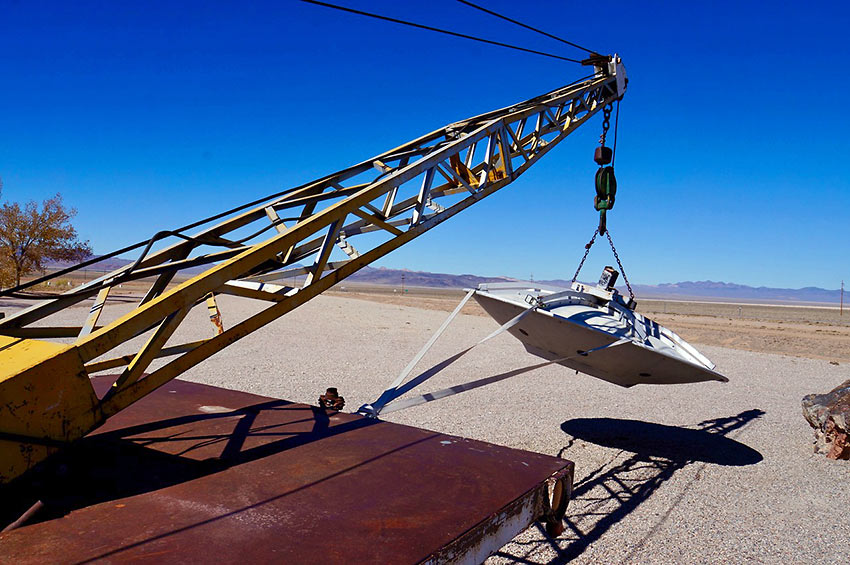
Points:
[(46, 401), (194, 473)]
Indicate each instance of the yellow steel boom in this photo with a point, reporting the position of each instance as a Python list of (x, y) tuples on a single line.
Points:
[(46, 398)]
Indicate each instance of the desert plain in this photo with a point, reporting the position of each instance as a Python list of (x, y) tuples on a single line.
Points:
[(704, 473)]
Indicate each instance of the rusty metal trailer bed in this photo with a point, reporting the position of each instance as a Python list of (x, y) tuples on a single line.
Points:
[(194, 473)]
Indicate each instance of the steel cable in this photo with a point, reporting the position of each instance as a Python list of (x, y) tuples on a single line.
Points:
[(438, 30), (555, 37)]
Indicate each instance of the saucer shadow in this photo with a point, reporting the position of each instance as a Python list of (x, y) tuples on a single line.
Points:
[(605, 496), (645, 439)]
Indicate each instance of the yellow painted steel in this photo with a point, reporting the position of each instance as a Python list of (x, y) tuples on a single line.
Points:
[(46, 397), (215, 314), (46, 400)]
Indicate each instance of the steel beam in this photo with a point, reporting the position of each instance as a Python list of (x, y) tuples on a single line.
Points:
[(393, 195)]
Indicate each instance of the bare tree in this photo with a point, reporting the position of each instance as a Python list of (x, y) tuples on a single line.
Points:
[(29, 236)]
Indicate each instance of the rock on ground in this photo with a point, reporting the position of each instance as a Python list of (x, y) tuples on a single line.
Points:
[(829, 414)]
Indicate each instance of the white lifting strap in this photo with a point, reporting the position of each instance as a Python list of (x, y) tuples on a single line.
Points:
[(396, 389), (457, 389)]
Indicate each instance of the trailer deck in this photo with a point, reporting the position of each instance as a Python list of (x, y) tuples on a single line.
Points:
[(193, 472)]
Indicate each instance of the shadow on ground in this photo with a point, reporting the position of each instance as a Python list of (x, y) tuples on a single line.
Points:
[(609, 493), (125, 462), (707, 444)]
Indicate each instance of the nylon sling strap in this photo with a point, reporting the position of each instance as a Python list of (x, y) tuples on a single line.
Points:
[(397, 389), (457, 389), (386, 402)]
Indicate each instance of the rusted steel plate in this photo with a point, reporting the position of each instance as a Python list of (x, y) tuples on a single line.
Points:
[(193, 473)]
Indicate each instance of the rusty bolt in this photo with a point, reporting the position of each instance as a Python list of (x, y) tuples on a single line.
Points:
[(331, 399)]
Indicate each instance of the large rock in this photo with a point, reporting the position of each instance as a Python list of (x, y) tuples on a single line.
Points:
[(829, 415)]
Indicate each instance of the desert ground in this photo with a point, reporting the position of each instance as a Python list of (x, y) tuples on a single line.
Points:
[(704, 473)]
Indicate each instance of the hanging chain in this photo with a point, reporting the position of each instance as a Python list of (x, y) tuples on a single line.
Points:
[(619, 264), (605, 191), (606, 123), (586, 251)]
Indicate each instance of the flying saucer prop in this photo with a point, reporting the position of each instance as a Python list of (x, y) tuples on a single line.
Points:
[(579, 327)]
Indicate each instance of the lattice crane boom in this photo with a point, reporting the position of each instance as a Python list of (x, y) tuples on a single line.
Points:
[(46, 398)]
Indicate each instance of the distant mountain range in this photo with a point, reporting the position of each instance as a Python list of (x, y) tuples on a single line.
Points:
[(107, 265), (732, 291), (103, 265), (703, 290), (393, 277)]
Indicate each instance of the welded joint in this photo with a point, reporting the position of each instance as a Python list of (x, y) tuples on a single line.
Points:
[(346, 246)]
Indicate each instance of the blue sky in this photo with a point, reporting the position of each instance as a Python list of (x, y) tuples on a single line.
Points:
[(732, 157)]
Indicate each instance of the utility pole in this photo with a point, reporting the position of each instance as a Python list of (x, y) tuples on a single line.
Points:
[(841, 307), (402, 283)]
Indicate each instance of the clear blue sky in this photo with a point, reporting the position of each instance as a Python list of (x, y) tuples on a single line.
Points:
[(732, 158)]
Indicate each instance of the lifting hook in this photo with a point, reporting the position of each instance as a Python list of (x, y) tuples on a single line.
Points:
[(606, 182)]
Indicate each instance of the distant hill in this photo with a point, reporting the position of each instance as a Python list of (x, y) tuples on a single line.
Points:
[(725, 291), (711, 290), (701, 290), (108, 265), (384, 276), (738, 292), (688, 290), (104, 265)]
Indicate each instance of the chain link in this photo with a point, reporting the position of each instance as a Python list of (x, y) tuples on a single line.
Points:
[(619, 264), (606, 123), (616, 256), (586, 251)]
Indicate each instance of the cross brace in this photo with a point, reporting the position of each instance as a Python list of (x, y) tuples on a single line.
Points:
[(394, 197)]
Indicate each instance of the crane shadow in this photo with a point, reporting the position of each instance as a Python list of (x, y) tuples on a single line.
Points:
[(137, 459), (609, 493)]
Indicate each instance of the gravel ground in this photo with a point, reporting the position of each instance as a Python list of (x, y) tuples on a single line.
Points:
[(700, 473)]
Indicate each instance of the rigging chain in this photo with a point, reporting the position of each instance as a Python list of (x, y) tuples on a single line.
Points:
[(619, 264), (606, 123), (606, 189), (616, 256), (586, 251)]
